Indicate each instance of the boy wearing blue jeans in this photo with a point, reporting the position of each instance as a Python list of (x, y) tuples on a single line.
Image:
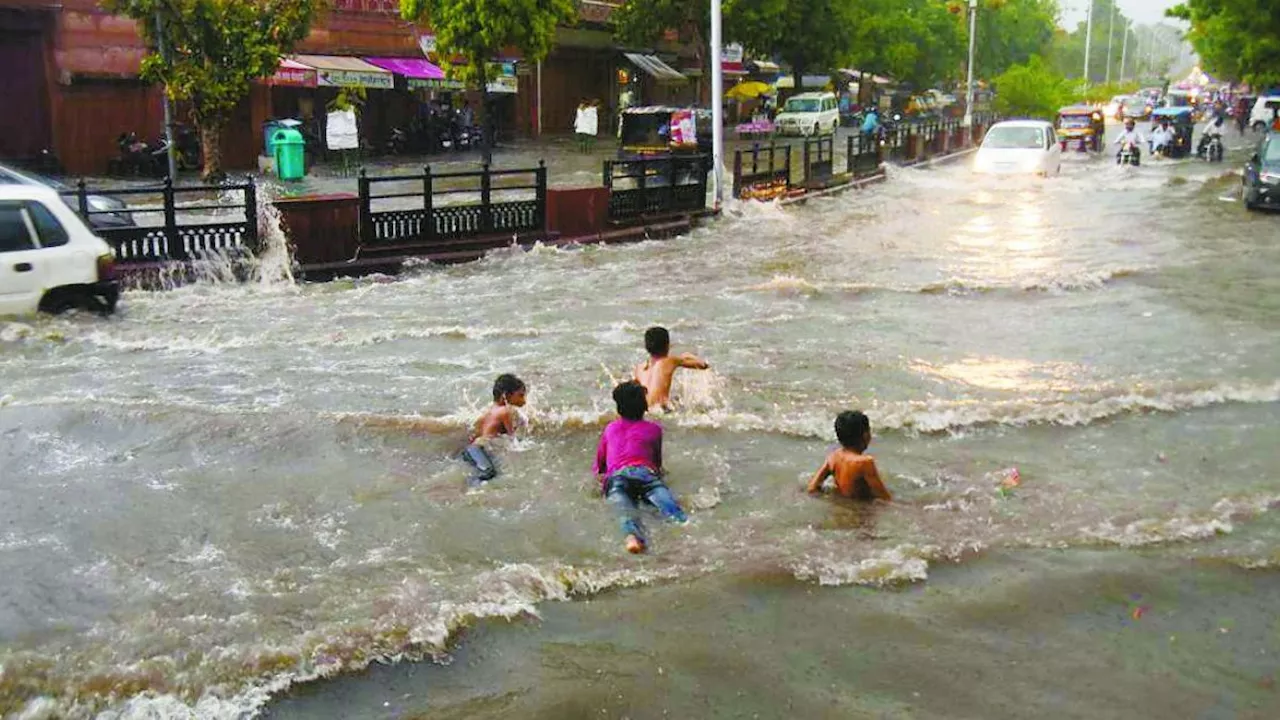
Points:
[(629, 465), (501, 419)]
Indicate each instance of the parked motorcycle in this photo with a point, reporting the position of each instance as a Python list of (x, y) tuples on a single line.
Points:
[(398, 143), (137, 157)]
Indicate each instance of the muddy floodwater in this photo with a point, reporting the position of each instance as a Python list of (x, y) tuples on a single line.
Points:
[(243, 499)]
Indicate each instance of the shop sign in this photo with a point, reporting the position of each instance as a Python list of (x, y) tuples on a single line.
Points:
[(437, 84), (294, 77), (355, 78), (502, 78), (427, 43), (731, 54)]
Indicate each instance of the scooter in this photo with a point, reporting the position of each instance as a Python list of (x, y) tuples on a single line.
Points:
[(1211, 149)]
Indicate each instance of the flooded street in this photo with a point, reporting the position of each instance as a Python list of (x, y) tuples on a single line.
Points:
[(231, 488)]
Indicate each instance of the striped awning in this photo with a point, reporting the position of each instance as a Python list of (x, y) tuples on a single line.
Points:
[(655, 68)]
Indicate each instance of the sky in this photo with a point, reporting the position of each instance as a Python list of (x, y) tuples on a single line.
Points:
[(1141, 11)]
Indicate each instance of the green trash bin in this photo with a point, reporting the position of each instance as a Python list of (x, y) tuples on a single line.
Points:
[(290, 152)]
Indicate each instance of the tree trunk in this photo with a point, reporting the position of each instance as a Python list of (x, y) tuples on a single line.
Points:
[(798, 69), (211, 144)]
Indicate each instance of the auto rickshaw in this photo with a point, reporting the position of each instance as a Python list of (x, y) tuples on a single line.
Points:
[(1181, 119), (1081, 124), (663, 130)]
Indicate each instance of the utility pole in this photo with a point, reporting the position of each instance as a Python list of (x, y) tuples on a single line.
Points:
[(1111, 34), (168, 111), (968, 89), (1088, 43), (717, 105), (1124, 48)]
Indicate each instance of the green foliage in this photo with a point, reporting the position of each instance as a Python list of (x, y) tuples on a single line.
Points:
[(809, 35), (917, 42), (1033, 90), (1104, 92), (215, 49), (1010, 32), (1237, 39), (477, 30), (644, 22)]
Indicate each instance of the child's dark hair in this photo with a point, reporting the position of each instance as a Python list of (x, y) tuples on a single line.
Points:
[(852, 427), (657, 340), (631, 400), (506, 384)]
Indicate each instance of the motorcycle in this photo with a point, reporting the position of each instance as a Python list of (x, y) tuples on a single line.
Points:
[(398, 143), (1211, 149), (1128, 155)]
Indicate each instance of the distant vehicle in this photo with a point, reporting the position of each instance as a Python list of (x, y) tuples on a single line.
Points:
[(1019, 147), (1140, 109), (1082, 124), (1261, 180), (109, 212), (808, 114), (1115, 108), (49, 259), (1261, 117), (1182, 120)]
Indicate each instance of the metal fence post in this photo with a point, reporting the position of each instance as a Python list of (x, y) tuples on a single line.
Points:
[(82, 195), (806, 159), (787, 154), (173, 244), (737, 174), (428, 205), (251, 215), (486, 200), (540, 221), (366, 219), (670, 202), (644, 185)]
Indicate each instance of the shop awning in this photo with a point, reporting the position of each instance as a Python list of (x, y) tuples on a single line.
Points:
[(732, 68), (857, 74), (763, 67), (656, 69), (293, 74), (341, 71), (418, 72)]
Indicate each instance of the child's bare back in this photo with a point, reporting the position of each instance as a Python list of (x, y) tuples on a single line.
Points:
[(854, 472), (656, 373)]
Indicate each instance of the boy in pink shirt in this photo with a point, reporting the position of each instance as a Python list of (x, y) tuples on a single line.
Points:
[(629, 464)]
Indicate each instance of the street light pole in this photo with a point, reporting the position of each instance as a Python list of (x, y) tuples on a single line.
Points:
[(168, 111), (1111, 34), (717, 106), (968, 90), (1088, 43)]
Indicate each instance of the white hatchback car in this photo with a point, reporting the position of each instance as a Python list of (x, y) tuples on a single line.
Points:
[(1019, 146), (809, 114), (1263, 111), (49, 260)]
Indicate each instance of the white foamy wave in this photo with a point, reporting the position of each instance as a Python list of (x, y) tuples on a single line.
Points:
[(1218, 520), (1083, 280), (897, 566)]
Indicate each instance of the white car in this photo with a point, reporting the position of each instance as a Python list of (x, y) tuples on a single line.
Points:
[(812, 113), (1019, 146), (49, 260), (1260, 118)]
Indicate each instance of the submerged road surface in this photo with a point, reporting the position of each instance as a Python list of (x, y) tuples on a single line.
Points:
[(230, 488)]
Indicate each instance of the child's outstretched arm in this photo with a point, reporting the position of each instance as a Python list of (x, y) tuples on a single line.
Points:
[(824, 472), (872, 478), (693, 362)]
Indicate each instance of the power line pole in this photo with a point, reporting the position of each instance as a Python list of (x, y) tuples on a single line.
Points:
[(1111, 33), (717, 105), (168, 111), (1124, 48), (1088, 43), (968, 90)]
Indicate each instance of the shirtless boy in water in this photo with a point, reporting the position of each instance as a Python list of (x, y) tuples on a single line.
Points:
[(500, 419), (655, 373), (855, 473)]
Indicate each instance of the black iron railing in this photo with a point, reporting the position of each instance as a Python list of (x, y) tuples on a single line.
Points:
[(819, 158), (863, 154), (762, 173), (158, 224), (656, 185), (415, 209)]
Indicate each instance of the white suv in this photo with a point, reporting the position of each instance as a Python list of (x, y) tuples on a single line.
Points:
[(49, 260), (809, 114), (1260, 118)]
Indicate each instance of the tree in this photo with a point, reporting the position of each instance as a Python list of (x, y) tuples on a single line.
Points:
[(215, 49), (644, 22), (806, 34), (917, 42), (1237, 39), (477, 30), (1033, 90)]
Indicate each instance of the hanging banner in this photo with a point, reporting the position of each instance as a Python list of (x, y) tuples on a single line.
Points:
[(684, 129), (341, 132)]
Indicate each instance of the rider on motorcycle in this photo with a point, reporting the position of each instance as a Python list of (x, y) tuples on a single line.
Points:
[(1162, 138), (1130, 138), (1213, 128)]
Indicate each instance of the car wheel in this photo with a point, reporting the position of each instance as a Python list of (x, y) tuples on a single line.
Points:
[(1259, 126), (60, 300)]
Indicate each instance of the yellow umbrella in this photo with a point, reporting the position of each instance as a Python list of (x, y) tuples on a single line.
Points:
[(748, 90)]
